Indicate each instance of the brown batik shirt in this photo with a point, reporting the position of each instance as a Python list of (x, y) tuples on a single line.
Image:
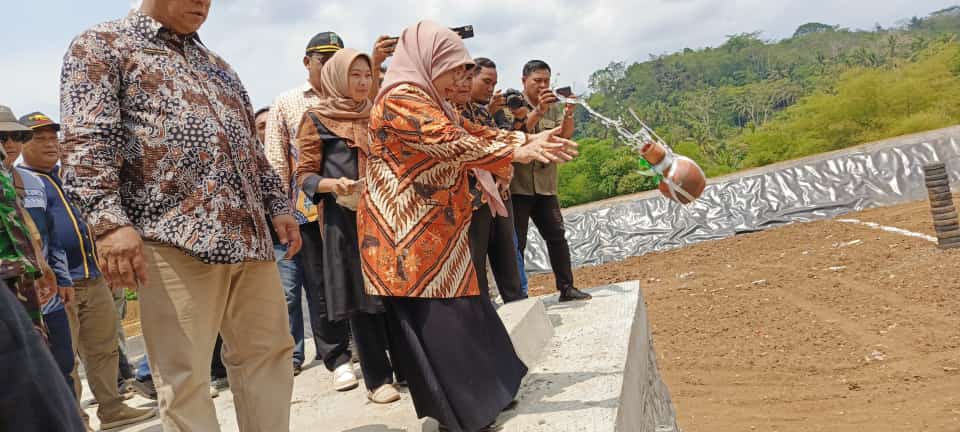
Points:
[(159, 134), (478, 114)]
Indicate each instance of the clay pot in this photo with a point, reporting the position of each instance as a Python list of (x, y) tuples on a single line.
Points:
[(653, 152), (685, 174)]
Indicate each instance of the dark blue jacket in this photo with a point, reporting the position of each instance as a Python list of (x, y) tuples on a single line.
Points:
[(71, 230)]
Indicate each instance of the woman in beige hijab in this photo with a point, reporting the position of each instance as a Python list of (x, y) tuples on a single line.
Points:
[(413, 221), (333, 139)]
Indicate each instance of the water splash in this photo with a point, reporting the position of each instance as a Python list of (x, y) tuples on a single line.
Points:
[(636, 141)]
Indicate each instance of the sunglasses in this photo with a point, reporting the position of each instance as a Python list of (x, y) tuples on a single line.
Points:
[(18, 136)]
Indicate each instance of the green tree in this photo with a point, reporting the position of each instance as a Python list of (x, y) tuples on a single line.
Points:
[(813, 27), (751, 102)]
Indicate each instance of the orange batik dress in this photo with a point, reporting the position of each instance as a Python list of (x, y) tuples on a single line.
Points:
[(415, 213)]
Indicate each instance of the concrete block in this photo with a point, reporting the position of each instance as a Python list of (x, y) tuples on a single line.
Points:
[(592, 369), (529, 328), (645, 404), (595, 375)]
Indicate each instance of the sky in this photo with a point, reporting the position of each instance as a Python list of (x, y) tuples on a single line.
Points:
[(264, 40)]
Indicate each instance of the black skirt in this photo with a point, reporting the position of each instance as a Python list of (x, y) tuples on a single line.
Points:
[(343, 280), (457, 358)]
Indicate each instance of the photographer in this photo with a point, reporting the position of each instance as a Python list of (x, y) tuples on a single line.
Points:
[(491, 236), (534, 186), (488, 105)]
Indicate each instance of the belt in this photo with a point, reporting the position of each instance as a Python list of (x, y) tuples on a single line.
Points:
[(11, 271)]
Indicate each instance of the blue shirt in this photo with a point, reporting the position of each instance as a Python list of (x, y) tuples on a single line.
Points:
[(72, 233), (37, 202)]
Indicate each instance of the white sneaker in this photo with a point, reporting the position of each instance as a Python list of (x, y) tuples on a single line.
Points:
[(214, 392), (344, 379)]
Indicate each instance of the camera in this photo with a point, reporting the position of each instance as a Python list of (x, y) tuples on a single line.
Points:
[(514, 99), (465, 32), (564, 91)]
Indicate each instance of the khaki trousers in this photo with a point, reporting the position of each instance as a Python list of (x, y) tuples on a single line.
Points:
[(93, 327), (184, 304)]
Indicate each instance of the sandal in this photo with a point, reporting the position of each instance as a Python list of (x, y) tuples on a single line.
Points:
[(384, 394)]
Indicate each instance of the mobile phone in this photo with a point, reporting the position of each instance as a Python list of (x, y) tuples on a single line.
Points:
[(465, 32), (564, 91)]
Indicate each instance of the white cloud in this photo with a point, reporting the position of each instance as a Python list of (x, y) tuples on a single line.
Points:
[(264, 39)]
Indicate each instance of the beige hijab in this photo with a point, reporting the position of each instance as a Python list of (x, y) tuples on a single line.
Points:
[(337, 111), (426, 51)]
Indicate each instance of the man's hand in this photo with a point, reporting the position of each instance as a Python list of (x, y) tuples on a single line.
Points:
[(497, 102), (121, 258), (68, 294), (547, 98), (383, 49), (345, 186), (569, 109), (288, 231), (520, 113), (46, 285)]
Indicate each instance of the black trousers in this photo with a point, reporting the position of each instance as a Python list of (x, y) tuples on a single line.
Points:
[(370, 338), (545, 212), (493, 237), (331, 337), (35, 396), (217, 368)]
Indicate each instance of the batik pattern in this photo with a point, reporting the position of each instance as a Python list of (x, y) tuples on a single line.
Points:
[(478, 114), (281, 147), (415, 212), (159, 134)]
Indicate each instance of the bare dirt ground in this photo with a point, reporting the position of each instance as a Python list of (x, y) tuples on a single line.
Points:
[(822, 326)]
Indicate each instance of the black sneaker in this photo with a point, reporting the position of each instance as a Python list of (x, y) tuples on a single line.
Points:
[(573, 294), (144, 388), (297, 369)]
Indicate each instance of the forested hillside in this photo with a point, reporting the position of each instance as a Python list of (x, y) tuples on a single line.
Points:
[(751, 102)]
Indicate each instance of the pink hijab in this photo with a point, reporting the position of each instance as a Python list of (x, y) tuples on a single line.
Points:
[(425, 51)]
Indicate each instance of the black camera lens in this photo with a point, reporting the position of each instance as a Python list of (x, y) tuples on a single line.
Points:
[(513, 98)]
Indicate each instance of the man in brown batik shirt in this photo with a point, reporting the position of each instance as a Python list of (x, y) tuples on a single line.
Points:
[(161, 155)]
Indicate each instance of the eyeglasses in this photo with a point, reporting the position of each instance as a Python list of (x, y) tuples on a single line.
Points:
[(18, 136)]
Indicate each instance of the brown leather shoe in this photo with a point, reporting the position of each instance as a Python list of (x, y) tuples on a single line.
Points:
[(125, 416)]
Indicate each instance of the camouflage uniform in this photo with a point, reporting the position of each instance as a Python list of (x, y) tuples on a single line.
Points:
[(19, 260)]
